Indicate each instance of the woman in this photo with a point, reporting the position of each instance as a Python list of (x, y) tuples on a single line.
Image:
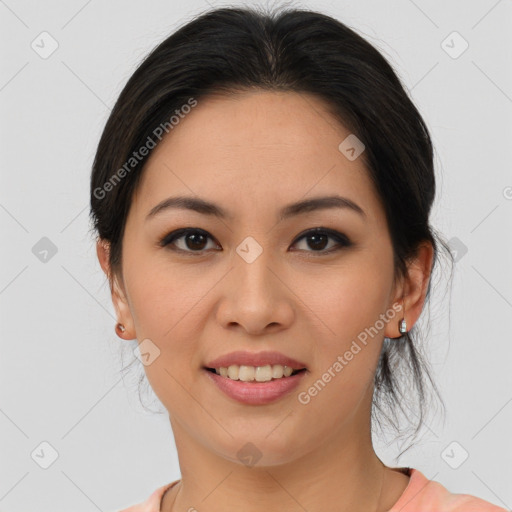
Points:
[(261, 194)]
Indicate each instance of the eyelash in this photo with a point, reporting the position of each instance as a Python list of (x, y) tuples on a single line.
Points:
[(341, 239)]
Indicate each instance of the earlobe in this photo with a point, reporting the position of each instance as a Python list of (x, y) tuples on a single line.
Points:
[(118, 297), (413, 290)]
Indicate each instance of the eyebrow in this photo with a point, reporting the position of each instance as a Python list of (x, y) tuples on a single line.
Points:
[(207, 208)]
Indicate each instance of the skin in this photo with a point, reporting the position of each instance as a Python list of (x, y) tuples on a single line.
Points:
[(252, 154)]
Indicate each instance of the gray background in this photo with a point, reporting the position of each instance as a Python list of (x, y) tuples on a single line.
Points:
[(61, 379)]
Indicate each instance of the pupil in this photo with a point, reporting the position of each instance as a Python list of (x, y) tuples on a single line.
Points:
[(195, 238), (315, 244)]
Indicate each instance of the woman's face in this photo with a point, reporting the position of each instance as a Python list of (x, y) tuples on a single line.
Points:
[(254, 282)]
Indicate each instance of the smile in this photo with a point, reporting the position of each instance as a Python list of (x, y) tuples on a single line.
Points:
[(255, 373), (252, 392)]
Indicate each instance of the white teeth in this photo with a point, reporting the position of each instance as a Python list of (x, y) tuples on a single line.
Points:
[(246, 373), (263, 373), (277, 371), (255, 373), (233, 371)]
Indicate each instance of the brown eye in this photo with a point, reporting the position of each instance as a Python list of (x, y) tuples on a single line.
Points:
[(187, 240), (318, 239), (195, 241)]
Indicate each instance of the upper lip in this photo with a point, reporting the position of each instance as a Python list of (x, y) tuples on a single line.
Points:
[(255, 359)]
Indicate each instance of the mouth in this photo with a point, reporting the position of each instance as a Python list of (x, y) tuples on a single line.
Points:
[(260, 385), (255, 374)]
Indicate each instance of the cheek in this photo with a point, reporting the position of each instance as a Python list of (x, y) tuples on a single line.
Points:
[(346, 360), (166, 308), (164, 297), (348, 298)]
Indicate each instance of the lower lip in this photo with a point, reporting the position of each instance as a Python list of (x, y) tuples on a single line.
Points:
[(256, 393)]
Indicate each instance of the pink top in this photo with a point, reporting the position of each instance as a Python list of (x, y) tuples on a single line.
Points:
[(420, 495)]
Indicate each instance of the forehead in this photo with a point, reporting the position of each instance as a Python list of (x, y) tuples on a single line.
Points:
[(264, 146)]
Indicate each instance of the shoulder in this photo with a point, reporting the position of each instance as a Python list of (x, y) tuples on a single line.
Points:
[(152, 504), (431, 496)]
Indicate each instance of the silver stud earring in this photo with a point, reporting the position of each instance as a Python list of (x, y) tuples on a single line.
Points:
[(402, 324), (120, 328)]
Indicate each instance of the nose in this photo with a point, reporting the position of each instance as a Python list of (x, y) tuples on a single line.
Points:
[(255, 297)]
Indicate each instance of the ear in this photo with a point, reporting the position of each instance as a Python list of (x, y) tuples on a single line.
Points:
[(118, 294), (413, 289)]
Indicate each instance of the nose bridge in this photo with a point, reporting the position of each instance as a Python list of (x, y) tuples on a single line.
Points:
[(254, 297), (252, 274)]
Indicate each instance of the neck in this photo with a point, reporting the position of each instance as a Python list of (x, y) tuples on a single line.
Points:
[(343, 470)]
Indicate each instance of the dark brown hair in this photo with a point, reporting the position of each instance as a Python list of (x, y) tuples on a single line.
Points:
[(234, 49)]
